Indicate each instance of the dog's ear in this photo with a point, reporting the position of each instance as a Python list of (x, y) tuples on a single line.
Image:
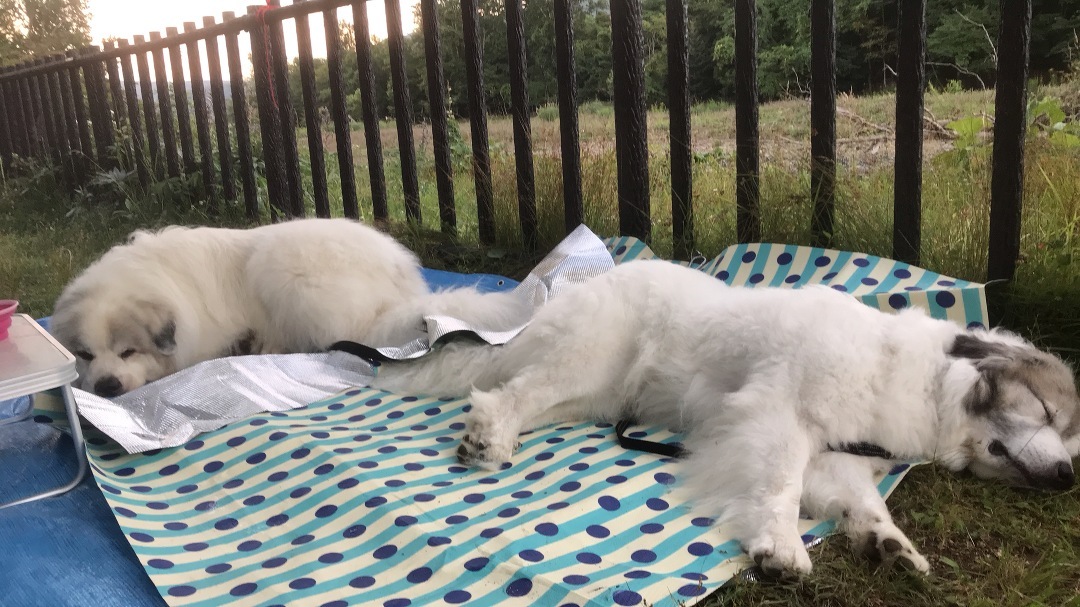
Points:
[(989, 359), (159, 322), (165, 338)]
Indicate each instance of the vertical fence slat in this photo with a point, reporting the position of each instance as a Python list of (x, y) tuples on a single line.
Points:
[(22, 89), (221, 117), (51, 115), (682, 207), (17, 120), (168, 125), (521, 110), (44, 113), (183, 117), (403, 111), (98, 98), (440, 135), (116, 88), (311, 116), (1010, 124), (823, 119), (67, 104), (910, 83), (79, 101), (6, 111), (269, 118), (747, 165), (146, 87), (342, 132), (62, 119), (202, 121), (33, 103), (280, 64), (372, 134), (481, 158), (10, 116), (133, 117), (240, 119), (631, 118), (573, 206)]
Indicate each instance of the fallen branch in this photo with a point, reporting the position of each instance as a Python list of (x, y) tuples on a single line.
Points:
[(863, 121)]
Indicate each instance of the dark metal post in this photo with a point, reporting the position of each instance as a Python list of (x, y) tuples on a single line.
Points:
[(269, 118), (311, 116), (573, 206), (910, 83), (747, 168), (631, 120), (168, 125), (1010, 112), (240, 118), (682, 207), (440, 134), (481, 159), (372, 134), (280, 65), (521, 110), (342, 132), (823, 119), (403, 111), (221, 117)]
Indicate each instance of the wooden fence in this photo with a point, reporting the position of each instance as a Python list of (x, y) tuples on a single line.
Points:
[(67, 108)]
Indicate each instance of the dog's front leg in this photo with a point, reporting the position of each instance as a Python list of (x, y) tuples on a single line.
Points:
[(841, 486)]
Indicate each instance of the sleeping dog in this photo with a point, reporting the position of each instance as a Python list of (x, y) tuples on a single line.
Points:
[(764, 381)]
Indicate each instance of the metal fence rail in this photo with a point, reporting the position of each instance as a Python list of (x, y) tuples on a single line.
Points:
[(67, 109)]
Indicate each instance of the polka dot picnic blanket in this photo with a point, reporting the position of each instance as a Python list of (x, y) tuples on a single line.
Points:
[(359, 500)]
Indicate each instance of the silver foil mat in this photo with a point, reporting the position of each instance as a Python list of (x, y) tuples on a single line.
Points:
[(579, 257), (171, 411), (176, 408)]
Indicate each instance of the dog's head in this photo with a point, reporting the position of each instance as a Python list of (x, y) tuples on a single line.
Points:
[(121, 343), (1023, 411)]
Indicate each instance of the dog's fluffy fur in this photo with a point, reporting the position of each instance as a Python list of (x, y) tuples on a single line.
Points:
[(765, 381), (169, 299)]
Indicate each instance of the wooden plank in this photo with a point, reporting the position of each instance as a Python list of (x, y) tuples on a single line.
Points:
[(569, 136), (86, 144), (269, 118), (311, 116), (116, 87), (202, 121), (60, 119), (440, 134), (481, 158), (631, 118), (403, 112), (183, 117), (823, 120), (168, 123), (1010, 124), (279, 62), (747, 165), (521, 111), (339, 113), (221, 115), (240, 119), (372, 135), (682, 207), (134, 119), (146, 84)]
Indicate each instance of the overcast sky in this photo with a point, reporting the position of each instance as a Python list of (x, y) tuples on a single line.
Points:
[(126, 18)]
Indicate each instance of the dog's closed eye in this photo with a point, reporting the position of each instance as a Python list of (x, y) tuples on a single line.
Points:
[(127, 353), (83, 354)]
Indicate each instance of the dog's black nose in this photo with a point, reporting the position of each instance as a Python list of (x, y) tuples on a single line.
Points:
[(1066, 477), (108, 387)]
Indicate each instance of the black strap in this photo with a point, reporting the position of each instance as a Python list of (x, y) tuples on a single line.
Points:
[(863, 449), (357, 349), (637, 444)]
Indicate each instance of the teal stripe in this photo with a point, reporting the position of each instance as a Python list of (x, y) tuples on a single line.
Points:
[(973, 306)]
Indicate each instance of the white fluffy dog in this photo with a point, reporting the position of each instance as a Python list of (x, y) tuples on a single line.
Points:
[(767, 382), (169, 299)]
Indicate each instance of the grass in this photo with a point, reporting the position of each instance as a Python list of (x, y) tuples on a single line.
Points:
[(988, 545)]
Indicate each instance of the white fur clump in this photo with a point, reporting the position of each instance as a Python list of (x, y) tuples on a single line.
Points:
[(167, 300), (765, 381)]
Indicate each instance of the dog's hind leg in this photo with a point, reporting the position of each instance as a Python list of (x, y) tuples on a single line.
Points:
[(841, 486)]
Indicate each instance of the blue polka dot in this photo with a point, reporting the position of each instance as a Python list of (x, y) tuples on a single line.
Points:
[(162, 564), (277, 519), (626, 597), (546, 455), (822, 261), (491, 532), (901, 273), (278, 476), (474, 498), (651, 528), (277, 435), (301, 583), (829, 276), (643, 556), (354, 531), (438, 540), (869, 281), (521, 494), (348, 483), (300, 492), (840, 288), (413, 467), (404, 521), (945, 299), (519, 587), (168, 470), (234, 483), (249, 545), (548, 529), (897, 301), (364, 581), (385, 552), (588, 558), (557, 506), (691, 590), (597, 531), (570, 486), (367, 465), (141, 537), (395, 414), (756, 278), (695, 576), (387, 449), (455, 519), (331, 557), (637, 574), (615, 480), (476, 564), (157, 505), (324, 469), (141, 488), (784, 259), (301, 453), (508, 512), (588, 450), (455, 597), (226, 523), (417, 576), (702, 521), (699, 549), (194, 445), (303, 539), (609, 503), (235, 441), (335, 604), (373, 402), (532, 476), (723, 275), (620, 250), (576, 580), (749, 256), (794, 278), (655, 503), (244, 589), (176, 526), (218, 568), (862, 262), (181, 591), (533, 556), (326, 511), (275, 562), (897, 469), (664, 478), (579, 466), (124, 512)]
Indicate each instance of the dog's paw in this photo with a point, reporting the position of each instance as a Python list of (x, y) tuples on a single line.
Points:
[(779, 558), (476, 452), (884, 543)]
